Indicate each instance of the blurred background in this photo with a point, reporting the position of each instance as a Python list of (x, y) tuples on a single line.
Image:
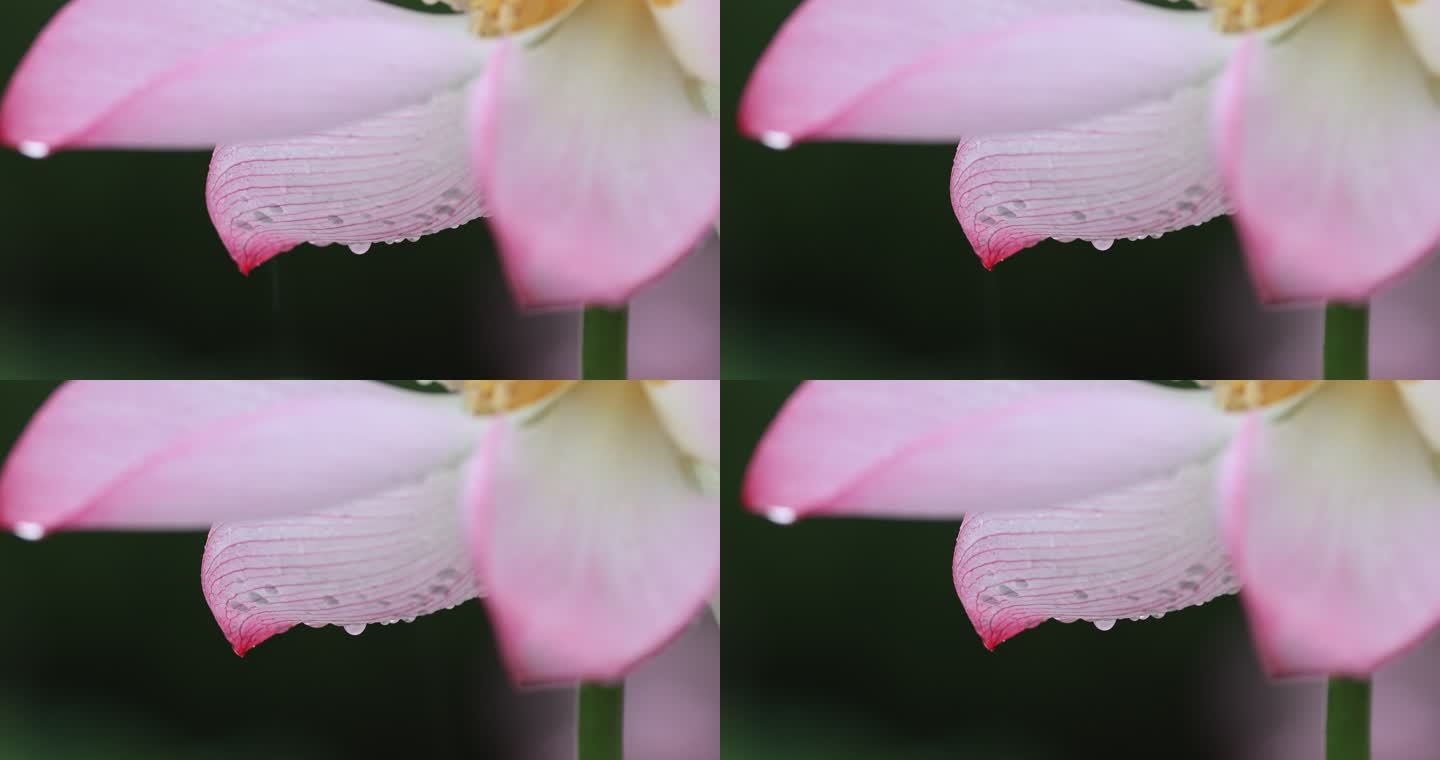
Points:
[(108, 651), (847, 261), (844, 640), (109, 267)]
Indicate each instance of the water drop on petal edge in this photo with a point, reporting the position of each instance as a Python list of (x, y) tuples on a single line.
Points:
[(777, 140), (359, 248), (356, 629), (33, 149), (1103, 245), (1104, 625), (29, 531), (781, 515)]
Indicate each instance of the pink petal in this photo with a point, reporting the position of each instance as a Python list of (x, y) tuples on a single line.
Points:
[(600, 167), (689, 410), (1330, 175), (595, 541), (1144, 171), (692, 27), (1331, 517), (186, 454), (940, 449), (399, 176), (1141, 551), (1422, 23), (942, 69), (186, 74), (395, 555)]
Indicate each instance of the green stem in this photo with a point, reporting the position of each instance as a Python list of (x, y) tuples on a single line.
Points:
[(603, 344), (602, 721), (1347, 342), (1347, 716), (1347, 720)]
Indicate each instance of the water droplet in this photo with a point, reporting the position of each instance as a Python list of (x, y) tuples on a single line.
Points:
[(335, 220), (332, 601), (777, 140), (29, 531), (276, 210), (270, 590), (781, 515), (1104, 625), (1079, 216), (444, 210), (33, 149), (1007, 591), (1081, 595), (263, 218), (1196, 569), (1103, 245), (359, 248), (356, 629)]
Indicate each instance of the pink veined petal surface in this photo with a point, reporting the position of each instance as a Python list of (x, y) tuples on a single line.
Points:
[(183, 74), (689, 410), (692, 27), (1325, 141), (600, 165), (187, 454), (399, 176), (1141, 551), (391, 556), (1422, 23), (938, 449), (1330, 517), (1145, 171), (592, 536), (943, 69)]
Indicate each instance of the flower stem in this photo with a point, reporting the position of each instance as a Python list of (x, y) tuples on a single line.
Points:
[(1347, 342), (603, 344), (1347, 716), (1347, 720), (602, 720)]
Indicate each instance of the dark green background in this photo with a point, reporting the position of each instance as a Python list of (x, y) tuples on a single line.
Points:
[(845, 260), (844, 640)]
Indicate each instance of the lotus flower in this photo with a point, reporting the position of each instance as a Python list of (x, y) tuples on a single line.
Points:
[(585, 514), (1315, 120), (586, 129), (1101, 500)]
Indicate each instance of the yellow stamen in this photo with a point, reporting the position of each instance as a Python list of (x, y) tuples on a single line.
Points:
[(492, 18), (1233, 16), (1243, 395), (496, 396)]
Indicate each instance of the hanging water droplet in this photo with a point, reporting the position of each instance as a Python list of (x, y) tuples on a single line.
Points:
[(1102, 245), (359, 249), (33, 149), (356, 629), (29, 531), (1104, 625), (777, 140), (781, 515)]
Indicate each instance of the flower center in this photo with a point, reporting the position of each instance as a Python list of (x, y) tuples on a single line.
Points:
[(1233, 16), (1244, 395), (484, 397), (493, 18)]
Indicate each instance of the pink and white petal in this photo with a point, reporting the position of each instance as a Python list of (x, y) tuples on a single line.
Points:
[(944, 448), (689, 410), (692, 27), (1141, 172), (938, 70), (187, 454), (1329, 171), (183, 74), (1330, 518), (1422, 399), (393, 556), (1138, 552), (395, 177), (601, 168), (591, 536), (1421, 19)]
